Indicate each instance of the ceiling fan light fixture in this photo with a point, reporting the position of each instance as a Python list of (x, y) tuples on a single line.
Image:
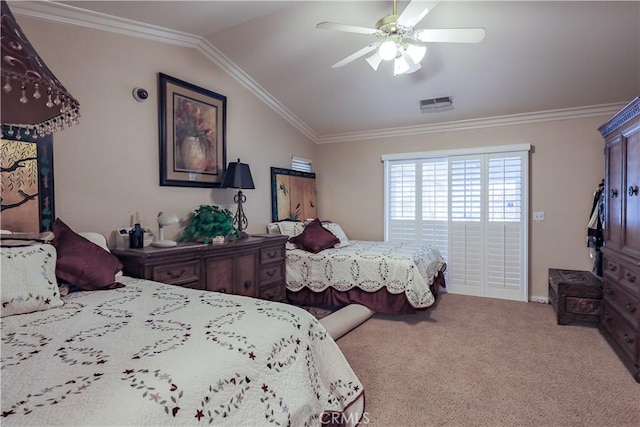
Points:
[(388, 50), (413, 66), (374, 60), (400, 65), (416, 52)]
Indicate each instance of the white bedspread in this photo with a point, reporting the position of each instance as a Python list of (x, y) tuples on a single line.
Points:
[(407, 268), (154, 354)]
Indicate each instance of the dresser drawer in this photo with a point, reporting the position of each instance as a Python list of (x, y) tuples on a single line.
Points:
[(610, 268), (272, 254), (271, 274), (181, 273), (622, 332), (630, 279), (273, 293), (618, 297)]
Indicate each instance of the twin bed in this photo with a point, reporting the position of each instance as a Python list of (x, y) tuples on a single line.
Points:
[(385, 277), (137, 352)]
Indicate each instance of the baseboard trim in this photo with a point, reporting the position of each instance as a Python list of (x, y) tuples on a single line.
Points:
[(541, 300)]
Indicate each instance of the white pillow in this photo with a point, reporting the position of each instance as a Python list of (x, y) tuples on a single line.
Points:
[(337, 231), (28, 279), (96, 239), (289, 227)]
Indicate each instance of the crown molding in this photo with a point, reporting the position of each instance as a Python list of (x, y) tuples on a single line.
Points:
[(66, 14), (489, 122)]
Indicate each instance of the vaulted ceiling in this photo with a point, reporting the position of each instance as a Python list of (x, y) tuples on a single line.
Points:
[(537, 56)]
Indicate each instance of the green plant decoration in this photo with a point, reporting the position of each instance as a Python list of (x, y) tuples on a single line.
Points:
[(207, 222)]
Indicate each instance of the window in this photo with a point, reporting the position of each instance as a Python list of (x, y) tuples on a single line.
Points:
[(472, 206), (300, 164)]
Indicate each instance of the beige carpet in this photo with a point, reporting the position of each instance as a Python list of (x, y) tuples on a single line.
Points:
[(472, 361)]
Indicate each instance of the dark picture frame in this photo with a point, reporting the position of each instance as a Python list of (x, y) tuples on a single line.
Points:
[(293, 195), (28, 203), (193, 134)]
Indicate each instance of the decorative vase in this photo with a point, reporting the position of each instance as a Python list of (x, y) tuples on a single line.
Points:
[(194, 154)]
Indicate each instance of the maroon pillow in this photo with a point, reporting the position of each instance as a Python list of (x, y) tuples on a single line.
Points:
[(82, 263), (315, 238)]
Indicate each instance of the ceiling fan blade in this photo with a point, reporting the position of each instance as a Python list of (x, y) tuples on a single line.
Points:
[(347, 28), (450, 35), (414, 12), (371, 47)]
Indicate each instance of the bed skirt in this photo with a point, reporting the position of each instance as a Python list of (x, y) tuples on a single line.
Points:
[(379, 301)]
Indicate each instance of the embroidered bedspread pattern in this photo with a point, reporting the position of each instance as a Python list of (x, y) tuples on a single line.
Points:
[(400, 267), (155, 354)]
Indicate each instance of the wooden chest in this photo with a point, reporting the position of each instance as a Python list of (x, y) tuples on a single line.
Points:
[(575, 295)]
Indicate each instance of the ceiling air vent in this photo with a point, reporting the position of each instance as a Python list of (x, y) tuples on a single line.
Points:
[(443, 103)]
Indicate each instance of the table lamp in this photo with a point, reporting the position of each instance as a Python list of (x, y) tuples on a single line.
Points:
[(165, 219), (238, 175)]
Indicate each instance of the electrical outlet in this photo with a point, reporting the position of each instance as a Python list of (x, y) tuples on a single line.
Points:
[(538, 216)]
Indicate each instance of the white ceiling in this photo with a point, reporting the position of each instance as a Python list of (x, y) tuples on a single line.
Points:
[(536, 56)]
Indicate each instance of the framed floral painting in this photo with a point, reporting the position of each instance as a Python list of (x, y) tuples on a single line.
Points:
[(192, 134)]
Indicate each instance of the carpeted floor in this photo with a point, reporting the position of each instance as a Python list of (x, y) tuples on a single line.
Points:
[(472, 361)]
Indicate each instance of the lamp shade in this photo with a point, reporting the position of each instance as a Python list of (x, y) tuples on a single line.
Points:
[(33, 99), (238, 175)]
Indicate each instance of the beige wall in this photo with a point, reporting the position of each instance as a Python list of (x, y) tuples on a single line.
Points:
[(567, 163), (106, 168)]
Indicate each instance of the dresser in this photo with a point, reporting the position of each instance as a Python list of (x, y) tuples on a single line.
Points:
[(253, 267), (620, 318)]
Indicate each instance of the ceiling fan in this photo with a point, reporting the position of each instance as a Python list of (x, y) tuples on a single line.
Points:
[(399, 41)]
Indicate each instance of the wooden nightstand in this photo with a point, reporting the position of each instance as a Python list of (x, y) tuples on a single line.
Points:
[(253, 267)]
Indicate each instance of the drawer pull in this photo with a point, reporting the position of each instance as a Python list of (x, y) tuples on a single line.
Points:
[(247, 284), (272, 254), (613, 193), (609, 290), (271, 273), (632, 190), (612, 267), (630, 308), (176, 276), (627, 339), (222, 290), (631, 278)]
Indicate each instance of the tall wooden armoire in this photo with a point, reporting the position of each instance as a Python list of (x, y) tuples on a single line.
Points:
[(620, 317)]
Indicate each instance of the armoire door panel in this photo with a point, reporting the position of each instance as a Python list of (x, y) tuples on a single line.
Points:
[(614, 194), (632, 193)]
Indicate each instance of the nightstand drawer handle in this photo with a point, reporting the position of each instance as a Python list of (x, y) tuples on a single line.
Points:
[(272, 254), (630, 308), (271, 273), (176, 276), (612, 267), (222, 290), (247, 284), (630, 277), (627, 339)]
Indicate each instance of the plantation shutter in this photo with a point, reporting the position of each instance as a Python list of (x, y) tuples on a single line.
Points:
[(466, 238), (472, 207), (401, 206), (505, 239)]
